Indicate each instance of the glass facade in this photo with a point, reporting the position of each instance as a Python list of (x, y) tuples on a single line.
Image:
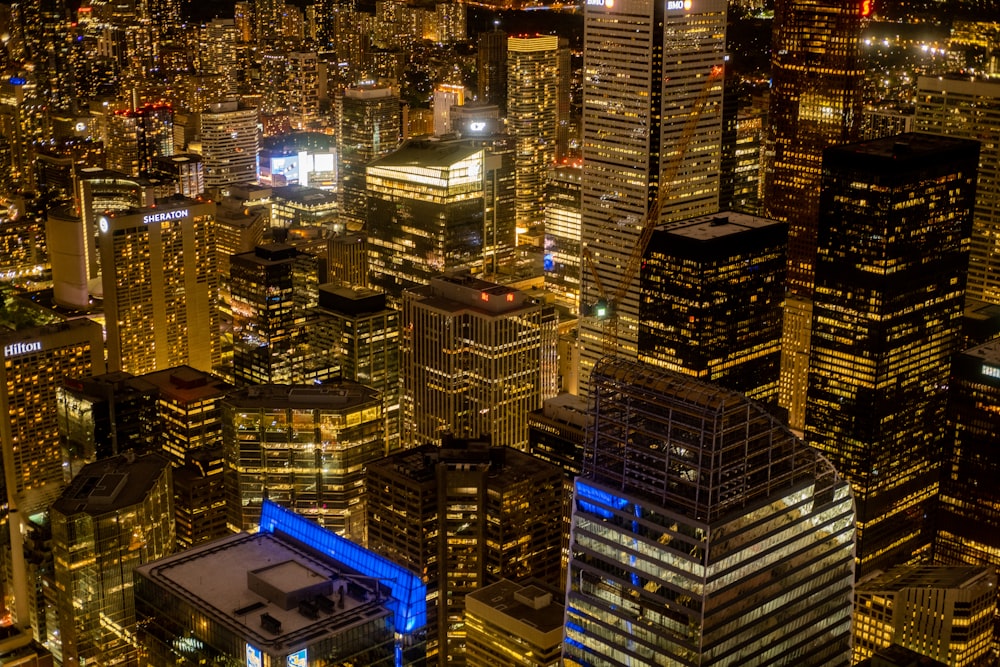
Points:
[(710, 301), (370, 127), (561, 261), (304, 447), (887, 315), (703, 532)]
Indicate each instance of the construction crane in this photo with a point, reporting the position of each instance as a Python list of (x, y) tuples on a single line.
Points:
[(606, 309)]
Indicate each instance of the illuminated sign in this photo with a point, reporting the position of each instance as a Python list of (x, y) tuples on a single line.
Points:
[(480, 126), (253, 657), (601, 3), (991, 371), (103, 223), (298, 659), (17, 349), (166, 215), (678, 4), (81, 126), (866, 7), (17, 81)]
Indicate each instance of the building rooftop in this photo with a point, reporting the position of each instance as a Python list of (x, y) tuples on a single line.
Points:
[(528, 609), (922, 576), (184, 384), (717, 225), (111, 484), (338, 395), (304, 195), (910, 147), (460, 292), (428, 153), (504, 465)]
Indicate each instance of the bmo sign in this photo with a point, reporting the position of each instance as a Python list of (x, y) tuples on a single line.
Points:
[(674, 5), (165, 215)]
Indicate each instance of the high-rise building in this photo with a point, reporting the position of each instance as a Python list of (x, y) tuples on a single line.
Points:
[(944, 613), (188, 402), (650, 71), (562, 259), (116, 515), (200, 497), (137, 136), (230, 141), (491, 54), (968, 524), (220, 54), (427, 203), (105, 415), (887, 316), (303, 81), (305, 447), (703, 532), (37, 359), (161, 286), (355, 333), (291, 594), (815, 102), (532, 120), (446, 96), (471, 361), (710, 301), (514, 624), (970, 109), (464, 514), (271, 289), (370, 128)]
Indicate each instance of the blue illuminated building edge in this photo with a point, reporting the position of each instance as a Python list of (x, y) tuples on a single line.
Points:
[(409, 594)]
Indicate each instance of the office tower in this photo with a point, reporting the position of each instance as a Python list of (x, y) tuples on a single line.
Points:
[(355, 333), (305, 447), (710, 301), (652, 98), (944, 613), (887, 314), (18, 648), (116, 515), (185, 170), (815, 102), (562, 259), (491, 54), (66, 241), (899, 656), (137, 136), (426, 204), (270, 290), (230, 140), (471, 357), (446, 95), (347, 263), (970, 109), (369, 128), (103, 416), (188, 401), (301, 206), (518, 625), (878, 123), (161, 286), (200, 497), (301, 594), (968, 529), (747, 161), (703, 532), (464, 514), (532, 120), (37, 359)]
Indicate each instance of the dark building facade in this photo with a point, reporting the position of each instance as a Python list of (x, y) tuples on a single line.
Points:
[(887, 316), (710, 301)]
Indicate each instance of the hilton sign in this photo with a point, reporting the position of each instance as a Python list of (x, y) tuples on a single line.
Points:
[(17, 349)]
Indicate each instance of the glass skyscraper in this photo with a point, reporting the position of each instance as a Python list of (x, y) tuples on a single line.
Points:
[(890, 288), (703, 532)]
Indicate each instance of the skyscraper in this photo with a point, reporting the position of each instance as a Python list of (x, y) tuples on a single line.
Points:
[(703, 532), (710, 301), (815, 102), (161, 286), (491, 55), (427, 201), (137, 136), (464, 514), (970, 109), (116, 515), (230, 141), (370, 127), (890, 278), (649, 70), (471, 361), (532, 119), (304, 447), (561, 260), (271, 289)]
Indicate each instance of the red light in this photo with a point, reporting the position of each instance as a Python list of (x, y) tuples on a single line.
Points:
[(484, 296), (866, 7), (510, 297)]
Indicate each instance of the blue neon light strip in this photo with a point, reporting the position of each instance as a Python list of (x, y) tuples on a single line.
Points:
[(409, 594), (597, 501)]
